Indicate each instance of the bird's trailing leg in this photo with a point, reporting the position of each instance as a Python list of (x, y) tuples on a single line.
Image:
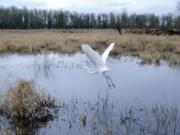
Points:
[(109, 85), (109, 81)]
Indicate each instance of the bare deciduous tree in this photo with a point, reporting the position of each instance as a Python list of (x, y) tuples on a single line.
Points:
[(24, 18)]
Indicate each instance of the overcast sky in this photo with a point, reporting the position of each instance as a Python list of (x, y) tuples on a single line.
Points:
[(139, 6)]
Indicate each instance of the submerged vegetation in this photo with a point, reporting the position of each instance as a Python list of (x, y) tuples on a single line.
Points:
[(27, 108), (105, 118), (150, 48)]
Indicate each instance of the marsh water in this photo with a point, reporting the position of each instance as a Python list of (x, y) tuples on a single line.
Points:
[(63, 77)]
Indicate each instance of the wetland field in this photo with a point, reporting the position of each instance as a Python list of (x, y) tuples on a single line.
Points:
[(45, 90), (150, 48)]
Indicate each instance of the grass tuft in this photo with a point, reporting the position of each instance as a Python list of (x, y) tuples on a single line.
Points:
[(25, 105)]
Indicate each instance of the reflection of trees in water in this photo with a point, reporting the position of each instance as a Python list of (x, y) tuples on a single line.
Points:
[(44, 64)]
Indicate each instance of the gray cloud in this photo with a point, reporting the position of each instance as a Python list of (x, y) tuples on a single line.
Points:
[(22, 3), (123, 4), (138, 6)]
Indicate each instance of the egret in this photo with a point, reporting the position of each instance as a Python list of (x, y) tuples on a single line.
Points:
[(98, 60)]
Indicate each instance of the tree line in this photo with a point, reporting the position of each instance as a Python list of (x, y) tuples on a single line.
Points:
[(24, 18)]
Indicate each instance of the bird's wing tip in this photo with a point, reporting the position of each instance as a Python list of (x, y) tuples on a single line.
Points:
[(84, 45), (113, 43)]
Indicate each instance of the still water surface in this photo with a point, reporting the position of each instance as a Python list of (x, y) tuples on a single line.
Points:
[(63, 77)]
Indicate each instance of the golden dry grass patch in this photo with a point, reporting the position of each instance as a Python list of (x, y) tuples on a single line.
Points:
[(69, 41), (26, 102)]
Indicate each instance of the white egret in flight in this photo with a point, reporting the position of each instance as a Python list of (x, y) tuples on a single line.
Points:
[(98, 60)]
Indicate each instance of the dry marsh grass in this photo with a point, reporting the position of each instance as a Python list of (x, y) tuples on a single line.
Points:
[(26, 107), (150, 48)]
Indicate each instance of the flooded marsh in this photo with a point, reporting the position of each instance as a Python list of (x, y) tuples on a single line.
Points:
[(145, 100)]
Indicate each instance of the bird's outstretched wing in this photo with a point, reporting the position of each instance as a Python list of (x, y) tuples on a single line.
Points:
[(106, 52), (92, 55)]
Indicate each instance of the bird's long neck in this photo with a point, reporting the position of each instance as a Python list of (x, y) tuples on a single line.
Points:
[(102, 69), (105, 69), (89, 70)]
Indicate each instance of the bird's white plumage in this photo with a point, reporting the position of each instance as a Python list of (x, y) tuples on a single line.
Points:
[(96, 59), (92, 55), (106, 52)]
